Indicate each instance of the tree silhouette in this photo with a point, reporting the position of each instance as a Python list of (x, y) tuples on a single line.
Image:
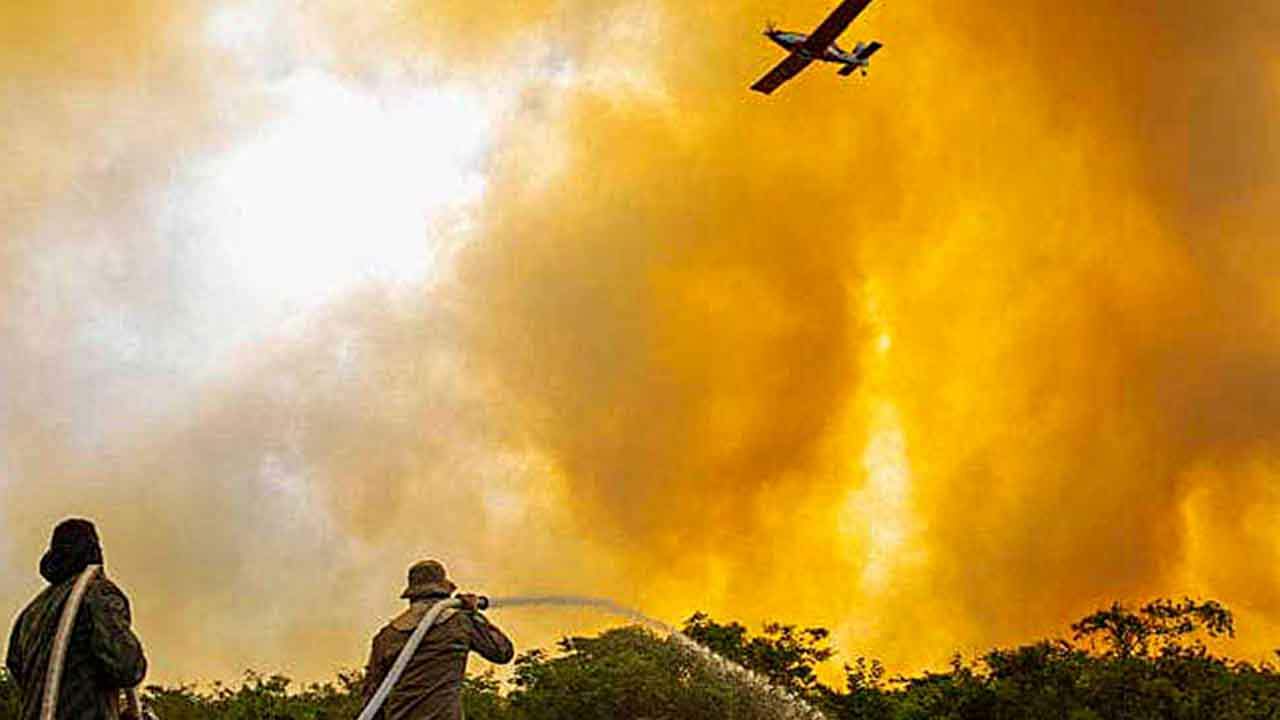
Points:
[(1149, 663)]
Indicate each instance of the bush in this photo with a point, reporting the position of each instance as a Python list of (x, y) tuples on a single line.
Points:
[(8, 697), (1121, 664)]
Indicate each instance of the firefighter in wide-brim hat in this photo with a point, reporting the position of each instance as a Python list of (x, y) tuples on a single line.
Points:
[(431, 686), (428, 579)]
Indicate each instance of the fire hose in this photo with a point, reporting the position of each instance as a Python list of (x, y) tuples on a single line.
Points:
[(58, 654), (406, 653)]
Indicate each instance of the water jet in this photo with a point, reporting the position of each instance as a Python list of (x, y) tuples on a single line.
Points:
[(788, 706)]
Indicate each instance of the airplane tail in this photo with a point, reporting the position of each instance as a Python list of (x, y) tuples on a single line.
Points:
[(866, 51), (861, 58)]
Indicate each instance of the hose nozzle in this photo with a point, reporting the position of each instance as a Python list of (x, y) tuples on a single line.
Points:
[(482, 601)]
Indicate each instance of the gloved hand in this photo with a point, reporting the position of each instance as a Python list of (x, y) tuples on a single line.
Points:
[(131, 709), (471, 602)]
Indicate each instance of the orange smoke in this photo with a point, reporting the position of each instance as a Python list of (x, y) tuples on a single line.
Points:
[(940, 358)]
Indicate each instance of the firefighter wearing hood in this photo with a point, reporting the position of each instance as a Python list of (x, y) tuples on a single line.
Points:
[(103, 655)]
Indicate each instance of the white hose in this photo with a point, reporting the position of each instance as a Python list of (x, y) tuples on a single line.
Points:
[(402, 660), (58, 654)]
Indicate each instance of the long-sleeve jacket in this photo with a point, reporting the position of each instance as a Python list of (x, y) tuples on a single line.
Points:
[(431, 686), (103, 654)]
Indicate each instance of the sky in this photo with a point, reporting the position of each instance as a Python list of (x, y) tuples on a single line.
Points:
[(295, 294)]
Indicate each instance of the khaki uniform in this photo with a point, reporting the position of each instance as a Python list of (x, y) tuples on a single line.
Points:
[(431, 686), (103, 655)]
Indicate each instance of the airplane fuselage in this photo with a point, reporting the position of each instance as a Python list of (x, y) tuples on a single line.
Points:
[(795, 43)]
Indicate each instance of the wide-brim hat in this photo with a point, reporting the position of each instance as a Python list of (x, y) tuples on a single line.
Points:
[(428, 578)]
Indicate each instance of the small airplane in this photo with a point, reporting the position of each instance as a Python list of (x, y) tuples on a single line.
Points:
[(821, 45)]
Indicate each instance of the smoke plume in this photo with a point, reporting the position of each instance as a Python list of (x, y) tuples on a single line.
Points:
[(294, 295)]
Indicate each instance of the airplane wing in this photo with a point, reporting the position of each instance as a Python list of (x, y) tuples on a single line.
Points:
[(781, 73), (870, 49), (835, 24)]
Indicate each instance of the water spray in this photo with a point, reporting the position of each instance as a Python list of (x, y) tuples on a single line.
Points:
[(601, 604), (790, 706)]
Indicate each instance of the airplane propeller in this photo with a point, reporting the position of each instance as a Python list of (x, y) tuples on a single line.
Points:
[(770, 26)]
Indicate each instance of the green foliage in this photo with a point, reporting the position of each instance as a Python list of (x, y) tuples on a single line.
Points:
[(788, 657), (8, 696), (866, 692), (629, 673), (482, 699), (1159, 626), (1135, 665), (258, 698), (1121, 664)]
